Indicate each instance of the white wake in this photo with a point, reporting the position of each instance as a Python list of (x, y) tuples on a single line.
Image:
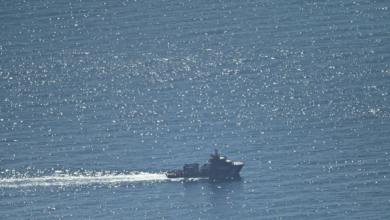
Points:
[(66, 180)]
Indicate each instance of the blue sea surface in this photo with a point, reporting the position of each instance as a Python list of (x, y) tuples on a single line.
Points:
[(99, 99)]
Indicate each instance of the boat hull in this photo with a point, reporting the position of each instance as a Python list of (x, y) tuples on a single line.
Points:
[(234, 171)]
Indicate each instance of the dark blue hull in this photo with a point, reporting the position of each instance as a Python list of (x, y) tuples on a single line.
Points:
[(234, 171)]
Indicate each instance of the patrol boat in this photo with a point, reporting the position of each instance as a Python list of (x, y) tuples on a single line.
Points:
[(217, 167)]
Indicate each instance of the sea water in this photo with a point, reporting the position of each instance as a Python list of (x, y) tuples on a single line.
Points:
[(99, 98)]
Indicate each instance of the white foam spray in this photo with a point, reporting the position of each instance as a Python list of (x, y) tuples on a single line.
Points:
[(65, 179)]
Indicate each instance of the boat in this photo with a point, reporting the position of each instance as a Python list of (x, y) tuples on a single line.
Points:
[(217, 167)]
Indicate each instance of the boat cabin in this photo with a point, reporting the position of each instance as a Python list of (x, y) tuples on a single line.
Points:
[(190, 168)]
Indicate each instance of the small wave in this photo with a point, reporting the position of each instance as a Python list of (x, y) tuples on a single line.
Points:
[(66, 179)]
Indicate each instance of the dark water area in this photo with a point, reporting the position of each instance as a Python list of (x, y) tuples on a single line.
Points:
[(99, 99)]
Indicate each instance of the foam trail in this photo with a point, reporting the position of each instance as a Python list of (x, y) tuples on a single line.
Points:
[(65, 180)]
